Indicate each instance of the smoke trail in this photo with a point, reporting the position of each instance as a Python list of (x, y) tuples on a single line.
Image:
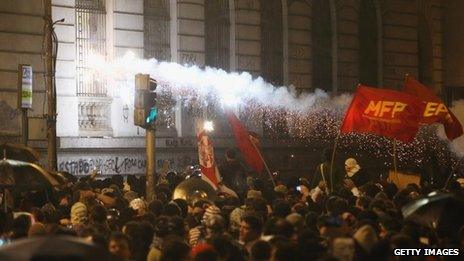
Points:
[(231, 89)]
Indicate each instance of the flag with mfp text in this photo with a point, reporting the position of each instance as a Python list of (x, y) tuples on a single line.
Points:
[(383, 112)]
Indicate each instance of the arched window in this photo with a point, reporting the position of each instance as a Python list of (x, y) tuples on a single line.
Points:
[(217, 34), (425, 52), (368, 43), (156, 29), (271, 41), (321, 34)]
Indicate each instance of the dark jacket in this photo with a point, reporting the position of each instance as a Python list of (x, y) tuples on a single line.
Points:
[(359, 178), (233, 176)]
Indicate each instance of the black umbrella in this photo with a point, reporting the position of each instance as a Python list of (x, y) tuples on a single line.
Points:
[(439, 211), (24, 175), (66, 175), (52, 248), (19, 151)]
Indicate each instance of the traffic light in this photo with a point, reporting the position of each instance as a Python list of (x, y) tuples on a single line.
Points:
[(145, 111)]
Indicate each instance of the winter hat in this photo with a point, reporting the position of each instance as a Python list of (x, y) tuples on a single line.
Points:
[(254, 194), (235, 218), (78, 213), (281, 189), (353, 165), (295, 219), (366, 237), (137, 204)]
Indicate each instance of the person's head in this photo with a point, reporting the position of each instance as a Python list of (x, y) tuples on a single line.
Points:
[(204, 252), (175, 248), (98, 214), (281, 208), (156, 207), (283, 228), (139, 205), (182, 204), (215, 224), (36, 229), (351, 165), (177, 226), (172, 209), (78, 213), (250, 228), (119, 245), (336, 205), (283, 250), (231, 155), (21, 225), (260, 250)]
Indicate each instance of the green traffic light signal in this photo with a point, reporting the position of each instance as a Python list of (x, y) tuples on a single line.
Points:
[(152, 115)]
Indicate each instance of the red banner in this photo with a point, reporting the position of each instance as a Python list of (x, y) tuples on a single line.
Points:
[(435, 110), (246, 144), (383, 112), (206, 159)]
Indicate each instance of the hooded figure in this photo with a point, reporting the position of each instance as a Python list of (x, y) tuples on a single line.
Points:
[(354, 172)]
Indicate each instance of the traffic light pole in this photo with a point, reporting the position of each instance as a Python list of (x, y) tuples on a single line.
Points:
[(145, 113), (151, 161)]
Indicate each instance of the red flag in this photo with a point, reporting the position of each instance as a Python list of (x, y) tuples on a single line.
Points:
[(206, 158), (383, 112), (435, 110), (245, 144)]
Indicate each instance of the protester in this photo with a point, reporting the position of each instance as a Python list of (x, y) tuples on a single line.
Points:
[(357, 220), (233, 173)]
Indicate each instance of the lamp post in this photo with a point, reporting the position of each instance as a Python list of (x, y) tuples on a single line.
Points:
[(51, 50)]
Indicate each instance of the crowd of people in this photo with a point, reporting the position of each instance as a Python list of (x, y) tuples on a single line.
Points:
[(326, 215)]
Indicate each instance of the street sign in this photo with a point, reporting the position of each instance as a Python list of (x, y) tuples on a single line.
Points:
[(25, 92)]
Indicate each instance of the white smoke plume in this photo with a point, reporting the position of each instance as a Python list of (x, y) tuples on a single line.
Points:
[(231, 89)]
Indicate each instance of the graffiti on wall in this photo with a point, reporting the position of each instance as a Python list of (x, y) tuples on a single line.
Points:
[(124, 165), (110, 165)]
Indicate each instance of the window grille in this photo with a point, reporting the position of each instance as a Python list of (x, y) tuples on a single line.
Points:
[(322, 45), (217, 24), (271, 41), (157, 37), (90, 40), (368, 43)]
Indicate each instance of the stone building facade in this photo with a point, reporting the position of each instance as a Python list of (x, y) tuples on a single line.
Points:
[(328, 44)]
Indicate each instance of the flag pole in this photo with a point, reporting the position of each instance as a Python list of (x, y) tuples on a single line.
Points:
[(394, 162), (332, 160), (265, 164)]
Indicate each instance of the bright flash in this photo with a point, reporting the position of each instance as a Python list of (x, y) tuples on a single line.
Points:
[(208, 126)]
